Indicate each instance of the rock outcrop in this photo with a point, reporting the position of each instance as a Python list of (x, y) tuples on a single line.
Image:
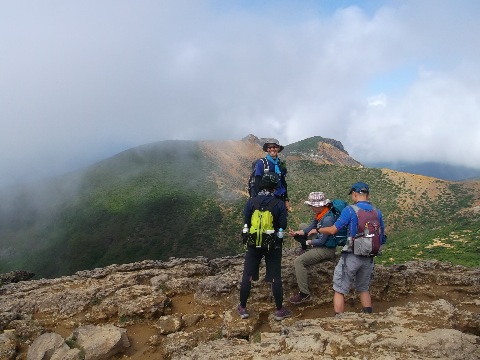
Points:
[(185, 309)]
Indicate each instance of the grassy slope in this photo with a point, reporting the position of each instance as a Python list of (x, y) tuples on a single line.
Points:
[(161, 200)]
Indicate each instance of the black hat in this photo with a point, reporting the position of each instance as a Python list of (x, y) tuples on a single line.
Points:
[(269, 182)]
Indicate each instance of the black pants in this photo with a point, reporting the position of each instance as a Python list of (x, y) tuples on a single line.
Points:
[(273, 262)]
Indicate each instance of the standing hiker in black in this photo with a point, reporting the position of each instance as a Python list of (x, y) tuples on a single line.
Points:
[(267, 245), (274, 166)]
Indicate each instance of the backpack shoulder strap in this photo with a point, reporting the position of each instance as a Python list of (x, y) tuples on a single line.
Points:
[(256, 203), (265, 164), (330, 213), (274, 201), (355, 208)]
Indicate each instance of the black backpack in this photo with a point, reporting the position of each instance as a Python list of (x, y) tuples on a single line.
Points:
[(251, 178)]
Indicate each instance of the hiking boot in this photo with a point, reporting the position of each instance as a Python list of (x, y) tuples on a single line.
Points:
[(282, 314), (300, 298), (242, 311)]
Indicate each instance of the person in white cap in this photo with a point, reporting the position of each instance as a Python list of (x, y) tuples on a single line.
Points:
[(319, 252)]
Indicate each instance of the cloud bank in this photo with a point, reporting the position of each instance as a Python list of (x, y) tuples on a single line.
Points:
[(83, 80)]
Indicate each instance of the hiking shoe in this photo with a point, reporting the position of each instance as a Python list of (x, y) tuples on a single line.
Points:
[(300, 298), (282, 314), (242, 311)]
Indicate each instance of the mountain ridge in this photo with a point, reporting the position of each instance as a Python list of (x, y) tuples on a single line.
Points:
[(185, 198), (433, 169)]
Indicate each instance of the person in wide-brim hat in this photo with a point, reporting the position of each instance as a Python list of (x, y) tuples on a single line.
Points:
[(317, 199), (272, 142), (271, 163), (319, 251)]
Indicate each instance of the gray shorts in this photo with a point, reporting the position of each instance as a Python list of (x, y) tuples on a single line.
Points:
[(353, 269)]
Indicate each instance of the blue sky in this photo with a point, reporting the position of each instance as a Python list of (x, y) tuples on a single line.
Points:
[(83, 80)]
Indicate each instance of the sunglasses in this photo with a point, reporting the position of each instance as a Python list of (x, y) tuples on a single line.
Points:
[(271, 147)]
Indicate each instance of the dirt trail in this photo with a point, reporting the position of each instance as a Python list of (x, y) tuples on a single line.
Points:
[(139, 334)]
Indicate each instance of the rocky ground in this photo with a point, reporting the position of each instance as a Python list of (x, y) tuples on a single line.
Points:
[(185, 309)]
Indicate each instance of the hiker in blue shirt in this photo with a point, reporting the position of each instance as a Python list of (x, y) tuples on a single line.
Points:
[(272, 253), (353, 268), (273, 148)]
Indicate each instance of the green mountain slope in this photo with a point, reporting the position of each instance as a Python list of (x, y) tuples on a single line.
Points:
[(151, 202), (185, 198)]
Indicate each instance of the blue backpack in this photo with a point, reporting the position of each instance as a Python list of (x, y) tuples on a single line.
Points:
[(340, 238)]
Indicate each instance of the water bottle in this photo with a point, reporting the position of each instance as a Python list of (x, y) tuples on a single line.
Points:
[(245, 234), (366, 232), (280, 233)]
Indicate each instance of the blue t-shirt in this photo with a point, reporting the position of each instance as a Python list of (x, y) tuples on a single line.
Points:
[(349, 218), (259, 170)]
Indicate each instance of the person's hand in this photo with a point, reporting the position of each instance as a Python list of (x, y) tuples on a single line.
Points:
[(294, 233), (312, 232), (287, 205)]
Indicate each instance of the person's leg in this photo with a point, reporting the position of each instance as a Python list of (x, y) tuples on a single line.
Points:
[(273, 263), (250, 267), (366, 301), (301, 273), (363, 280), (338, 303), (311, 257), (342, 279)]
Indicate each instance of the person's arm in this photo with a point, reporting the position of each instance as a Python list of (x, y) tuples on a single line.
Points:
[(247, 213), (343, 220), (305, 232), (382, 226), (259, 171), (285, 194), (321, 239), (284, 180), (256, 187), (282, 216), (329, 230)]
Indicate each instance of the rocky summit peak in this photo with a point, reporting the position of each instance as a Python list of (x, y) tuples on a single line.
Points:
[(316, 148), (186, 308)]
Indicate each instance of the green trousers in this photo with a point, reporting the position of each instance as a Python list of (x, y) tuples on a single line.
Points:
[(310, 257)]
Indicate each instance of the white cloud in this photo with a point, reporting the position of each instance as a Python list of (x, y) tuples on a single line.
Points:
[(379, 101), (81, 81)]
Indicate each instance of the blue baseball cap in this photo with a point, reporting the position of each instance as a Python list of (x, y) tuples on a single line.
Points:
[(359, 187)]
